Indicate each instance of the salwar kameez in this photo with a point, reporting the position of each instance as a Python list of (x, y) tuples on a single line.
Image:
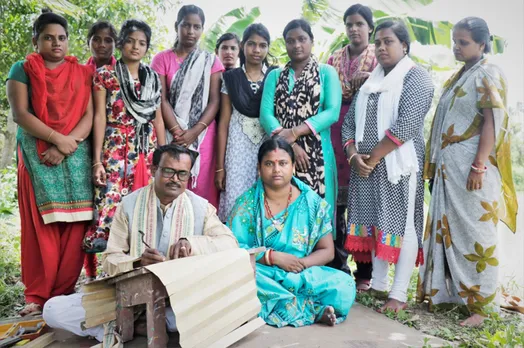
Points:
[(347, 69), (169, 65), (55, 201), (320, 123)]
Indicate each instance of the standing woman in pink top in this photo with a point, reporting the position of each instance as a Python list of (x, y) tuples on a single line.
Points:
[(190, 97)]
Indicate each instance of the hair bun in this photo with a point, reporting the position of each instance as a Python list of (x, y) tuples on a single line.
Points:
[(46, 10)]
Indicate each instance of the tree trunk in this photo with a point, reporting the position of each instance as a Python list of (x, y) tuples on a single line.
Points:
[(8, 150)]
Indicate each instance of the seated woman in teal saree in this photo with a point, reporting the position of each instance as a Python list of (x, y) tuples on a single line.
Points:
[(293, 222)]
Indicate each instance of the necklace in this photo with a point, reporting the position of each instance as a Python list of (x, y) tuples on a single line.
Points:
[(279, 223)]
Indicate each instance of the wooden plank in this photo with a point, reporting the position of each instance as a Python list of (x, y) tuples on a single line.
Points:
[(99, 295), (101, 319), (238, 334), (19, 319), (92, 312), (95, 286), (129, 274), (42, 341), (99, 303)]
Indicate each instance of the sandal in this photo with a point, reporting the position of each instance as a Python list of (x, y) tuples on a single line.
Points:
[(363, 285), (31, 310)]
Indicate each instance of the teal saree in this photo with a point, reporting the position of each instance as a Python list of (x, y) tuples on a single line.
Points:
[(288, 298)]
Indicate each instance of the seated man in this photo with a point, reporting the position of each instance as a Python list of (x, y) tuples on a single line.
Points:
[(159, 222)]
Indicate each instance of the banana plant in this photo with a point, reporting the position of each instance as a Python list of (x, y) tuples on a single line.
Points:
[(241, 20)]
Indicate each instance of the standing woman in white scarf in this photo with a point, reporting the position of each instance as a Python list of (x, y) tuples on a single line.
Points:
[(127, 128), (384, 142), (190, 98)]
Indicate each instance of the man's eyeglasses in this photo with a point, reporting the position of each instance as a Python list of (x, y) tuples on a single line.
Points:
[(169, 173)]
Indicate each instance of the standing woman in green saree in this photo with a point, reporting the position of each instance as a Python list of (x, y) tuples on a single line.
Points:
[(300, 103), (469, 167)]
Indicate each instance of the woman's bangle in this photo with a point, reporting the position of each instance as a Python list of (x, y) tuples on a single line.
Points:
[(294, 134), (266, 257), (50, 135), (271, 256), (174, 127), (478, 170), (293, 145), (219, 170), (97, 163), (351, 157), (202, 123)]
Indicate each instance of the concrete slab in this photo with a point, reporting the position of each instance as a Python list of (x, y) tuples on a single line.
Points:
[(363, 328)]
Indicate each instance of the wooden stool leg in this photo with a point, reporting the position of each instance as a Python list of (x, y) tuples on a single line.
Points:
[(125, 321), (156, 321)]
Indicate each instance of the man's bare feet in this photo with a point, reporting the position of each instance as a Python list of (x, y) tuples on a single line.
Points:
[(329, 317), (31, 309), (393, 305), (475, 320)]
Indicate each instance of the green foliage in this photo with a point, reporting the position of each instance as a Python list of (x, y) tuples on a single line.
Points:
[(11, 290), (8, 192), (18, 17), (241, 20)]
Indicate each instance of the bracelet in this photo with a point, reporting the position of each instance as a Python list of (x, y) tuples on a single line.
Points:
[(219, 170), (293, 131), (271, 256), (202, 123), (50, 135), (97, 163), (478, 170), (266, 257), (351, 157), (174, 127), (293, 145)]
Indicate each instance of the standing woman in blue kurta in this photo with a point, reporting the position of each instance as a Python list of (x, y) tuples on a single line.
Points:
[(300, 103)]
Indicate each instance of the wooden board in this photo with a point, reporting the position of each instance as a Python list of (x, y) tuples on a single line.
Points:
[(211, 295), (42, 341), (100, 319)]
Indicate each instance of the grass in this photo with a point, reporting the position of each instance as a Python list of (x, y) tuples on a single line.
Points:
[(499, 330)]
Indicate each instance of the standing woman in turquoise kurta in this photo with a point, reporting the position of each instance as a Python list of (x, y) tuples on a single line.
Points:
[(300, 103), (287, 217)]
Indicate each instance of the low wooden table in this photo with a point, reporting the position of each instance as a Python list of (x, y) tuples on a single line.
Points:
[(141, 286), (135, 288)]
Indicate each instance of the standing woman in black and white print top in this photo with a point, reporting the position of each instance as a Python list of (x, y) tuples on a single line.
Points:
[(384, 142), (239, 130)]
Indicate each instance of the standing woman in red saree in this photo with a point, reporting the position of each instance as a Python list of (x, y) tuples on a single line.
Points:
[(50, 96), (127, 127)]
